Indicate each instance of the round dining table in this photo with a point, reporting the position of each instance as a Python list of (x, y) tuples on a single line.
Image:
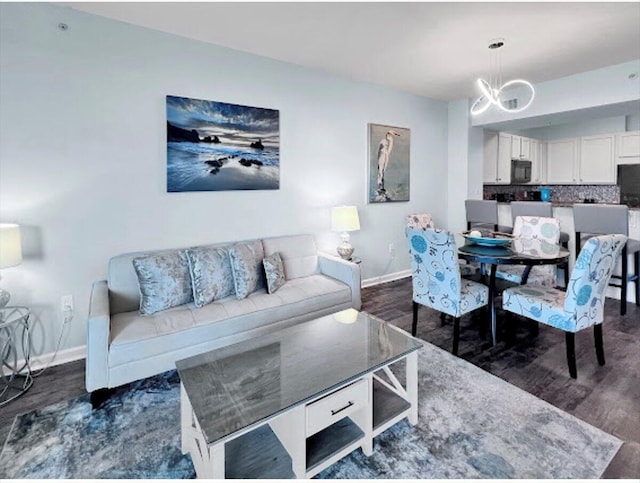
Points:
[(518, 252)]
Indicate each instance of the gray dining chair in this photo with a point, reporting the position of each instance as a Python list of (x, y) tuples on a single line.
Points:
[(482, 214), (582, 305), (599, 219)]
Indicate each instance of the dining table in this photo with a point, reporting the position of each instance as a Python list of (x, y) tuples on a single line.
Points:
[(528, 253)]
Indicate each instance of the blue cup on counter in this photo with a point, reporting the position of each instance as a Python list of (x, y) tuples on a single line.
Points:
[(545, 194)]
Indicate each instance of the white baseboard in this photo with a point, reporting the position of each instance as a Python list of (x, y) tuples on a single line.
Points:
[(63, 356), (390, 277)]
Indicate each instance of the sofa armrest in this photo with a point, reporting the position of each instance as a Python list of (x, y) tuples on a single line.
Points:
[(98, 327), (347, 272)]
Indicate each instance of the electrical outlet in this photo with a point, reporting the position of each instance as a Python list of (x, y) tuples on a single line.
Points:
[(392, 248), (66, 303)]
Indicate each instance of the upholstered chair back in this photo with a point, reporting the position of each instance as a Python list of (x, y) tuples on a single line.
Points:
[(420, 220), (435, 269), (482, 211), (590, 277), (540, 228)]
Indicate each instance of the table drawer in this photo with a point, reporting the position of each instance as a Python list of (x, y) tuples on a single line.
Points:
[(337, 405)]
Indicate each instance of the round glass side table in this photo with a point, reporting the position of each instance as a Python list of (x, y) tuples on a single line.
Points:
[(15, 348)]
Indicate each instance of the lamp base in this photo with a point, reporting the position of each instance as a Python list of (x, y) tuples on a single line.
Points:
[(345, 250), (4, 298)]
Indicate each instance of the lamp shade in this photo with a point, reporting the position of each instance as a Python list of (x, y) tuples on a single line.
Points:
[(344, 218), (10, 245)]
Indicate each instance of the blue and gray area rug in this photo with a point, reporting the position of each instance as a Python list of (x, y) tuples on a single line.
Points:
[(471, 425)]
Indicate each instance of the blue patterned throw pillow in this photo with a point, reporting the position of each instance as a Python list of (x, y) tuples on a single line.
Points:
[(274, 272), (246, 264), (211, 274), (164, 281)]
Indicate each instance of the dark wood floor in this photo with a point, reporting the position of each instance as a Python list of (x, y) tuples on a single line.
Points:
[(607, 397)]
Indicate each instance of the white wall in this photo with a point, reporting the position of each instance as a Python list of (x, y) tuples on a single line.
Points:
[(588, 127), (83, 153)]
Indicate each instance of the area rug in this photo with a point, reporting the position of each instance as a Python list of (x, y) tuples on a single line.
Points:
[(471, 425)]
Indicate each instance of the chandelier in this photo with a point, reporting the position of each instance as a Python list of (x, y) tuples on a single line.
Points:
[(508, 96)]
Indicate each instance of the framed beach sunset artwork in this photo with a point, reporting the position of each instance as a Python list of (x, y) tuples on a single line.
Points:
[(215, 146), (389, 149)]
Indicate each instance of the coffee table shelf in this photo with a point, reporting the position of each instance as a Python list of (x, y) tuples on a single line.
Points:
[(332, 440), (257, 455), (388, 407)]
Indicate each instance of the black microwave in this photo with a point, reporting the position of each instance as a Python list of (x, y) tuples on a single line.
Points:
[(520, 171)]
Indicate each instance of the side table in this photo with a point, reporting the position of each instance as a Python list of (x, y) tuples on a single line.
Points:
[(15, 341)]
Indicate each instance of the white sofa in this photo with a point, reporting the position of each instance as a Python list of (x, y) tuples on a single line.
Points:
[(123, 346)]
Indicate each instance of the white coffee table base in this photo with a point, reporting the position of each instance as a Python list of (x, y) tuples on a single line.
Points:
[(312, 435)]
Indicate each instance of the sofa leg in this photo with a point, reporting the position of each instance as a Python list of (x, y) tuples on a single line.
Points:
[(414, 327), (99, 397), (570, 338), (597, 332), (456, 335)]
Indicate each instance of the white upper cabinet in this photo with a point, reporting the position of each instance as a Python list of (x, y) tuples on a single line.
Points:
[(536, 162), (629, 144), (597, 160), (562, 156), (497, 158), (520, 147)]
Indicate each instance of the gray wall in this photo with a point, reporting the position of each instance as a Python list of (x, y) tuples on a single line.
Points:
[(83, 153)]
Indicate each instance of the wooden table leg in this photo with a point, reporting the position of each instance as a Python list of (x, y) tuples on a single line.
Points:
[(492, 302)]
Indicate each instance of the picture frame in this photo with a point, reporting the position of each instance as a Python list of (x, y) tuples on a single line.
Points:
[(217, 146), (389, 163)]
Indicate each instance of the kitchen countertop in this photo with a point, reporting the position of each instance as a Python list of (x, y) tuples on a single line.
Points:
[(569, 204)]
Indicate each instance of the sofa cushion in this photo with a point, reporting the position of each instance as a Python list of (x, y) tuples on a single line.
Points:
[(298, 252), (211, 274), (274, 272), (135, 338), (164, 281), (246, 263)]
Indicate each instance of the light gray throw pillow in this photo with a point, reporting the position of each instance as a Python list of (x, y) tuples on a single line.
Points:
[(246, 263), (164, 281), (211, 274), (274, 272)]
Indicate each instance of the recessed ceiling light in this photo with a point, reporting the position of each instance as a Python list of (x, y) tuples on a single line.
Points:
[(63, 26), (633, 75)]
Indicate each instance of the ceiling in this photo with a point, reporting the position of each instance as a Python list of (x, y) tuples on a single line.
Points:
[(429, 49)]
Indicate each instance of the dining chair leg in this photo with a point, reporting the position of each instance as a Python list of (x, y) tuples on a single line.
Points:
[(414, 326), (443, 319), (625, 282), (565, 269), (456, 335), (597, 333), (636, 259), (570, 338)]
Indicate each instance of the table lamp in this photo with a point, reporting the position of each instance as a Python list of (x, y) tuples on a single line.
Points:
[(345, 219), (10, 253)]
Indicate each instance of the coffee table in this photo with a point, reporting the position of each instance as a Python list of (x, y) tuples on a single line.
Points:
[(291, 403)]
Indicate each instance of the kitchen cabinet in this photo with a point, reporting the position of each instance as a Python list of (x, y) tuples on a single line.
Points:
[(520, 147), (537, 174), (597, 160), (497, 158), (629, 144), (562, 158)]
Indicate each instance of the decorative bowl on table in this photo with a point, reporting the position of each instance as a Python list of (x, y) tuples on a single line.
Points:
[(487, 238)]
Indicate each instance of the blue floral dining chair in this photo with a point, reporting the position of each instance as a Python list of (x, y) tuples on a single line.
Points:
[(582, 305), (542, 233), (424, 221), (436, 278)]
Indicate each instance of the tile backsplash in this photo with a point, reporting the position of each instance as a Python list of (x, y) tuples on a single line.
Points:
[(559, 193)]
